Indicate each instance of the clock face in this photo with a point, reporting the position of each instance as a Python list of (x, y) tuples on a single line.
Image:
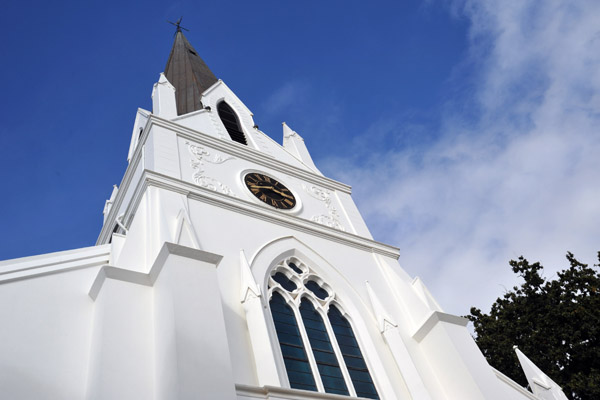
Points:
[(270, 191)]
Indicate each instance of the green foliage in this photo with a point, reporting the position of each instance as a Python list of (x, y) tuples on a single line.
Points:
[(555, 323)]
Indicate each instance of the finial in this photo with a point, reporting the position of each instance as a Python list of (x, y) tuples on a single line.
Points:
[(178, 25)]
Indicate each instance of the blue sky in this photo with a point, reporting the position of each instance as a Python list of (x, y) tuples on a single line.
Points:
[(468, 129)]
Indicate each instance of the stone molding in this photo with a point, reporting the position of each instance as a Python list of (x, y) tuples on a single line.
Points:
[(53, 263), (273, 392), (148, 279), (505, 379), (150, 178), (432, 320)]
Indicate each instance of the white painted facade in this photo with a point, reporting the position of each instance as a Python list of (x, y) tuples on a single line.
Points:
[(173, 301)]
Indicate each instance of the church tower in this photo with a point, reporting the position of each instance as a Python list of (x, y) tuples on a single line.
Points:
[(229, 267)]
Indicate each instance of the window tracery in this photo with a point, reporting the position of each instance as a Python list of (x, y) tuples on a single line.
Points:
[(317, 342)]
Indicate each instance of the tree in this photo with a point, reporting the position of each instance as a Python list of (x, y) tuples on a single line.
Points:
[(555, 323)]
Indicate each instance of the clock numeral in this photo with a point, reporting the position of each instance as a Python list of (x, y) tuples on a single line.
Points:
[(270, 191)]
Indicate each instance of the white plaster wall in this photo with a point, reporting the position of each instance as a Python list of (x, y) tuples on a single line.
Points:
[(122, 355), (45, 336), (460, 367), (135, 254), (161, 154), (192, 353)]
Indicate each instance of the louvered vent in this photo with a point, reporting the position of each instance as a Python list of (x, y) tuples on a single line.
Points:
[(231, 123)]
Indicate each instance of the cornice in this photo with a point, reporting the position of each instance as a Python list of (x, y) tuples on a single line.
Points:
[(46, 264), (148, 279), (150, 178), (248, 154), (273, 392), (513, 384), (433, 319)]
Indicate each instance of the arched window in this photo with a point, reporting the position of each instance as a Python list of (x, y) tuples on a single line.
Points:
[(319, 349), (231, 123)]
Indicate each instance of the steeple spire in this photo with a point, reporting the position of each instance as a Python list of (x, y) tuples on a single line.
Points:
[(188, 73)]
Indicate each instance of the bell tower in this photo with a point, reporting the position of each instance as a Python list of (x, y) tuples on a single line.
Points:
[(229, 267)]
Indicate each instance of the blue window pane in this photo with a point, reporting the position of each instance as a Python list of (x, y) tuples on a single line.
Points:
[(283, 318), (302, 378), (327, 362), (295, 268), (334, 385), (290, 351), (361, 379), (289, 338), (345, 340), (364, 389), (295, 365), (292, 348), (284, 282), (321, 345), (312, 324), (325, 357), (286, 328), (360, 376), (327, 370), (317, 334), (351, 350), (355, 362), (317, 290)]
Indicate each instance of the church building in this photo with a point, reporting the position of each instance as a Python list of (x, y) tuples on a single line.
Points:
[(229, 267)]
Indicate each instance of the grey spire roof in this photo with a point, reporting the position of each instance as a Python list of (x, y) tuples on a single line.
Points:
[(189, 74)]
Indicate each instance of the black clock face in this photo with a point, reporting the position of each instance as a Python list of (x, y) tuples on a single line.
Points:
[(270, 191)]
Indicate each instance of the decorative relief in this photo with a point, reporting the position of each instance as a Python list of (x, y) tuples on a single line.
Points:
[(201, 156), (331, 220)]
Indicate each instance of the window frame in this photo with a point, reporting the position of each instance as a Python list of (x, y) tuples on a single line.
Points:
[(293, 300)]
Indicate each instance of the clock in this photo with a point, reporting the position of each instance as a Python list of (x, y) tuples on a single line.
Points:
[(270, 191)]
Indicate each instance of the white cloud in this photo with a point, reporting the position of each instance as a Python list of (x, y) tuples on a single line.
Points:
[(522, 179), (283, 98)]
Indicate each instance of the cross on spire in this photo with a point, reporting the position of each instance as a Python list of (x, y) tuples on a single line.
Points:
[(178, 25)]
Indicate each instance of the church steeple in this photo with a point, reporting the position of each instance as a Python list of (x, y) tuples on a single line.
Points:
[(188, 73)]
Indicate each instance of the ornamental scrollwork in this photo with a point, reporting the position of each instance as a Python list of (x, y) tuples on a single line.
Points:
[(332, 219), (202, 156)]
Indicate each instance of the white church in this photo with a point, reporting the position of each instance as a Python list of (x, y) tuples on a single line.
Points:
[(229, 267)]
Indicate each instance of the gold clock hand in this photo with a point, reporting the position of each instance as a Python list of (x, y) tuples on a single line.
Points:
[(281, 193), (261, 187), (272, 189)]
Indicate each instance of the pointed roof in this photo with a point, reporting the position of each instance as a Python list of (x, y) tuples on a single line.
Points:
[(541, 384), (189, 74)]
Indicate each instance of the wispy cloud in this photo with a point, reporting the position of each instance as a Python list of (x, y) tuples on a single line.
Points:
[(521, 177), (283, 98)]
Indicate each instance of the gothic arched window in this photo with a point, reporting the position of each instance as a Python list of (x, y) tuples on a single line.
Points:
[(319, 348), (231, 123)]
